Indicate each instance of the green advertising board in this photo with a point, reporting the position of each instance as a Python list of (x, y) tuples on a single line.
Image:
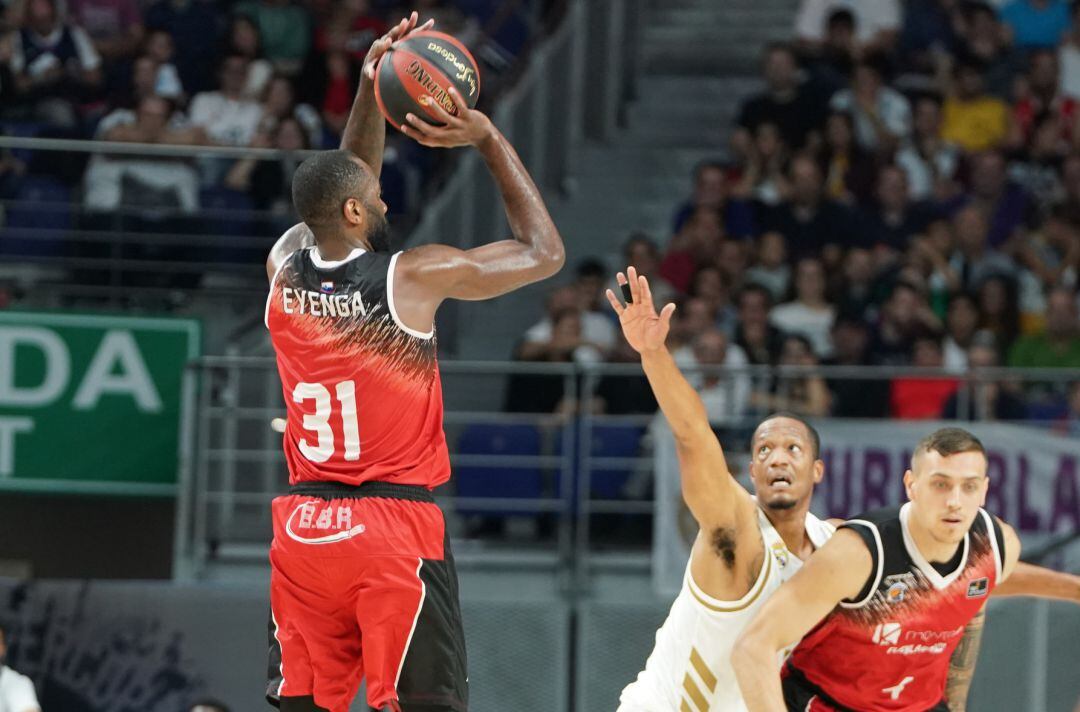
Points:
[(93, 403)]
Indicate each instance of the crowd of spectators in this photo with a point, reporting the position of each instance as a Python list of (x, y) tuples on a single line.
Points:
[(903, 191)]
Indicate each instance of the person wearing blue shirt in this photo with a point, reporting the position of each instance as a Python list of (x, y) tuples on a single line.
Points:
[(1036, 23)]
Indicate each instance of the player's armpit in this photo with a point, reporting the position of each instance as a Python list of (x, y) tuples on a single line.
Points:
[(837, 571), (962, 663), (1031, 580)]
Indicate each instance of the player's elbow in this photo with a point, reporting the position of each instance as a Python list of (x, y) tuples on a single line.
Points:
[(550, 254), (751, 649)]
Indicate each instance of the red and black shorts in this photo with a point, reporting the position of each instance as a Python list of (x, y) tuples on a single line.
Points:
[(801, 695), (363, 587)]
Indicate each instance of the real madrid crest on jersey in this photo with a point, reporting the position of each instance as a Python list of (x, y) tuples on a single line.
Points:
[(781, 553)]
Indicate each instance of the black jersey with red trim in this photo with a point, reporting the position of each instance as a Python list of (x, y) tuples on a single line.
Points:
[(888, 650), (362, 390)]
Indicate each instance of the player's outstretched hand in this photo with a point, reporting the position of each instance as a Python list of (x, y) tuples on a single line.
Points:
[(468, 128), (645, 330), (398, 32)]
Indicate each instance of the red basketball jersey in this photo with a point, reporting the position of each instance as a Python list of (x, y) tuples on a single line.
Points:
[(889, 650), (362, 390)]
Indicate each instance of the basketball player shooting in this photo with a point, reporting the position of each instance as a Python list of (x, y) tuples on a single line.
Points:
[(362, 580)]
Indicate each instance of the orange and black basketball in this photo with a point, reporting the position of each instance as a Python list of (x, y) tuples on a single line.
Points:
[(424, 64)]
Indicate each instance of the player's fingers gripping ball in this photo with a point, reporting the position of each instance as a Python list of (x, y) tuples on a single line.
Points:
[(425, 64)]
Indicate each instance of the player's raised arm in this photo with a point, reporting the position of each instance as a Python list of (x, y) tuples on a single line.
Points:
[(365, 130), (296, 237), (713, 496), (429, 274), (837, 571)]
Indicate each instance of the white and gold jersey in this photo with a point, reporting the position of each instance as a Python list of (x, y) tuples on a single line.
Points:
[(689, 669)]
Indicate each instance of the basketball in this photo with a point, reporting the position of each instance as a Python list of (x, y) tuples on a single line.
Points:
[(424, 65)]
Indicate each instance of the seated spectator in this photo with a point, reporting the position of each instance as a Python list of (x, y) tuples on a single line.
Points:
[(809, 315), (894, 219), (974, 260), (244, 40), (285, 29), (1058, 345), (999, 309), (695, 245), (279, 104), (855, 293), (877, 23), (711, 192), (694, 316), (17, 692), (929, 161), (904, 316), (194, 26), (143, 182), (1069, 56), (595, 332), (854, 397), (641, 253), (566, 342), (269, 182), (1040, 94), (160, 48), (848, 168), (726, 394), (1006, 203), (114, 26), (800, 394), (144, 79), (810, 222), (831, 67), (709, 286), (988, 399), (973, 119), (763, 179), (733, 261), (629, 394), (1036, 23), (882, 114), (962, 320), (922, 397), (929, 29), (759, 339), (1036, 172), (770, 267), (985, 43), (54, 65), (227, 117), (785, 103), (1048, 258)]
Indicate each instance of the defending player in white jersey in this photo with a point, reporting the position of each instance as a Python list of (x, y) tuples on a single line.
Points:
[(746, 546)]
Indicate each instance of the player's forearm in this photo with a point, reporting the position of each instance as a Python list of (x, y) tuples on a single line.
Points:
[(755, 669), (365, 131), (962, 664), (679, 402), (530, 222), (1031, 580)]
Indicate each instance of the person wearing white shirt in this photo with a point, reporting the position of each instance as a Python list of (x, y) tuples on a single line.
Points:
[(809, 315), (16, 691), (882, 114), (228, 117)]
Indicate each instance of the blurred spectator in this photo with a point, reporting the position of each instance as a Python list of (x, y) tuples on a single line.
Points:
[(209, 706), (725, 395), (961, 324), (55, 66), (986, 44), (802, 394), (894, 219), (330, 77), (1006, 203), (696, 244), (973, 119), (877, 22), (928, 160), (998, 308), (641, 253), (882, 114), (625, 395), (244, 40), (919, 398), (279, 104), (1048, 258), (1069, 56), (732, 261), (161, 49), (988, 399), (1070, 183), (1040, 94), (831, 67), (709, 286), (694, 316), (856, 288), (593, 332), (785, 103), (269, 182), (809, 315), (854, 397), (904, 316), (228, 118), (285, 29), (1036, 171), (17, 692), (759, 339), (848, 169), (156, 183), (114, 26), (763, 178), (811, 223), (929, 31), (974, 260), (711, 192), (566, 342), (1036, 23), (1058, 345), (770, 267), (194, 25)]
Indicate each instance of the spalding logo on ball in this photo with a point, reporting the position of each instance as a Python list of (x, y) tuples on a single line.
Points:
[(424, 65)]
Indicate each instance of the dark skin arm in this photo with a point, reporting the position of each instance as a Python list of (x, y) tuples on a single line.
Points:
[(295, 238), (429, 274)]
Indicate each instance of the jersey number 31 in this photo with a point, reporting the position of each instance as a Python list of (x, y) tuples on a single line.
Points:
[(319, 421)]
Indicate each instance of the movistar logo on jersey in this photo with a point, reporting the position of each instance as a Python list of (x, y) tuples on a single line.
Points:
[(302, 301)]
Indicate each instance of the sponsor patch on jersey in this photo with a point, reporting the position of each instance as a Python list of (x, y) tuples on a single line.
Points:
[(326, 287), (978, 588), (887, 633), (897, 586)]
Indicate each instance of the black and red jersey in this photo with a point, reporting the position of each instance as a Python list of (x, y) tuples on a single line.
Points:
[(362, 390), (888, 650)]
